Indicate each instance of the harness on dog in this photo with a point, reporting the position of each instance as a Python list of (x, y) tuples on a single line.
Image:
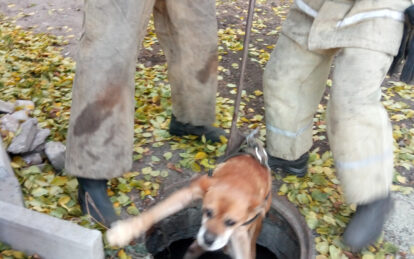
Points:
[(255, 148), (257, 215), (251, 146)]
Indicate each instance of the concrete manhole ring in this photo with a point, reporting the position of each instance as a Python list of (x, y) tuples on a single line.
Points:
[(284, 233)]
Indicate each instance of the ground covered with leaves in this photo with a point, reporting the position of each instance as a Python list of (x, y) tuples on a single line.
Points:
[(32, 68)]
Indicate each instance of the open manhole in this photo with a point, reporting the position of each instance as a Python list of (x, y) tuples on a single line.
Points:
[(284, 234), (178, 248)]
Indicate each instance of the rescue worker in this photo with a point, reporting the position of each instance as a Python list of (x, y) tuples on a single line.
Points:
[(363, 36), (100, 135)]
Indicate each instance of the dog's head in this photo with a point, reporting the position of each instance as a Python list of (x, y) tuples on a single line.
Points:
[(224, 210), (229, 201)]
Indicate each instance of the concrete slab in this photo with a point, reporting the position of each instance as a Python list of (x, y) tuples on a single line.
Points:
[(399, 228), (49, 237), (9, 186)]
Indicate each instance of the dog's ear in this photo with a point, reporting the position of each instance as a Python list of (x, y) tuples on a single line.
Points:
[(203, 183)]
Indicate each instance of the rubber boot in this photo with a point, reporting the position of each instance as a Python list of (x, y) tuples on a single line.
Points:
[(298, 167), (181, 129), (97, 204), (367, 223)]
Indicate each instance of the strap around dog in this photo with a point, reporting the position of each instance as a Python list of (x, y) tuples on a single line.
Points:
[(251, 220), (257, 215)]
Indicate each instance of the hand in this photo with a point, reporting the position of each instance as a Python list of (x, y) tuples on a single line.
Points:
[(123, 232)]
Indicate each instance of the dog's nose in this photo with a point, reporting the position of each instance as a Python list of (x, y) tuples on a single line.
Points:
[(209, 238)]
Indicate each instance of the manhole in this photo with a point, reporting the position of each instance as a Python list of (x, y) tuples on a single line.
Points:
[(178, 248), (284, 234)]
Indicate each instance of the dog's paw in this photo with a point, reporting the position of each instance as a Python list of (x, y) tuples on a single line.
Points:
[(121, 233)]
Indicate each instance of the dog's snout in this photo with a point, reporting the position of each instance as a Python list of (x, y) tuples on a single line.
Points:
[(209, 238)]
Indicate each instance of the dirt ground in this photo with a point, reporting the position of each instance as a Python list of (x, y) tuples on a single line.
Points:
[(57, 17)]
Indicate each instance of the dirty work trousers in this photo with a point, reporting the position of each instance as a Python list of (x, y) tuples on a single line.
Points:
[(359, 130), (100, 137)]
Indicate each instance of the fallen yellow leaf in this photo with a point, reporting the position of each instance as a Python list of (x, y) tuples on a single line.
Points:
[(200, 155)]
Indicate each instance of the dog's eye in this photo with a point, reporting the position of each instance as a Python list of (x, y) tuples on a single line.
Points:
[(229, 222), (209, 213)]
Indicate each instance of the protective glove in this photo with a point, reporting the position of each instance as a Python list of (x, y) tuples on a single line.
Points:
[(406, 51)]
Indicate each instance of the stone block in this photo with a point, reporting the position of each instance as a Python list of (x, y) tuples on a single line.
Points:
[(55, 152), (40, 148), (9, 123), (23, 141), (25, 104), (33, 158), (20, 115), (40, 138), (6, 107), (49, 237)]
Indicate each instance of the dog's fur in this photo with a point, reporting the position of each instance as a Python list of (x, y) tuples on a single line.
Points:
[(235, 200)]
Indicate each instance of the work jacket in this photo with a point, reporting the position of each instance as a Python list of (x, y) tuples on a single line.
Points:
[(324, 24)]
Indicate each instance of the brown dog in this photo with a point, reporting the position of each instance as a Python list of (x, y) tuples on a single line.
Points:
[(235, 200)]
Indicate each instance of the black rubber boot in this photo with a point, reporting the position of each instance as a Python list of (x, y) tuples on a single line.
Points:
[(298, 167), (181, 129), (98, 204), (367, 223)]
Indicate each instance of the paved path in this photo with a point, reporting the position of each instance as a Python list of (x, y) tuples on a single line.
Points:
[(399, 228)]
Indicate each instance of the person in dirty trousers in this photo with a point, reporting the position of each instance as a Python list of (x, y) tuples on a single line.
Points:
[(363, 36), (100, 136)]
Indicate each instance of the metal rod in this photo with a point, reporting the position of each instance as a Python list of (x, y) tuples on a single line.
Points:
[(234, 131)]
